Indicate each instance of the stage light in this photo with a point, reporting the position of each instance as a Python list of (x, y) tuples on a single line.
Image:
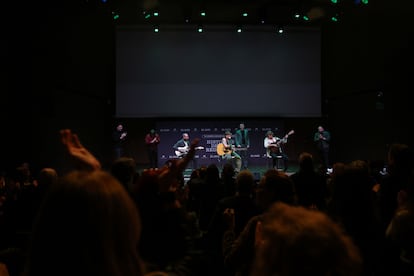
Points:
[(305, 18), (203, 13), (156, 13), (334, 1), (104, 1), (245, 14), (365, 2), (239, 29), (280, 30), (115, 15), (335, 18), (296, 15), (156, 29), (200, 29)]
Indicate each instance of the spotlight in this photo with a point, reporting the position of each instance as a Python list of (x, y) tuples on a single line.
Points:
[(245, 14), (146, 14), (156, 29), (335, 18), (115, 15), (239, 29), (203, 13), (200, 29), (280, 30)]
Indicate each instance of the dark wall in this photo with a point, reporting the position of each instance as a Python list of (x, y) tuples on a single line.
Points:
[(59, 73), (59, 67), (365, 55)]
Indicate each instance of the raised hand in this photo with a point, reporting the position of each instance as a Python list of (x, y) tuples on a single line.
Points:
[(170, 176), (78, 152)]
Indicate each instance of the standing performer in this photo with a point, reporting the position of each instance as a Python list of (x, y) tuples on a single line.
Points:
[(119, 137), (242, 144), (322, 140), (152, 139)]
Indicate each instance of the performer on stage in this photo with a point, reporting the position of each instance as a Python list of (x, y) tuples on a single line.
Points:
[(182, 146), (229, 153), (322, 139), (119, 137), (152, 139), (274, 149), (242, 144)]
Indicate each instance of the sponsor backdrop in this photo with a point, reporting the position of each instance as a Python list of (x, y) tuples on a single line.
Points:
[(211, 133)]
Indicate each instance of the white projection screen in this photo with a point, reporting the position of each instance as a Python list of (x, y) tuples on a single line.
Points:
[(179, 72)]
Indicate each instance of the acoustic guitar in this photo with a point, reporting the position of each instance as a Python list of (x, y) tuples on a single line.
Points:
[(184, 150), (222, 150), (275, 147)]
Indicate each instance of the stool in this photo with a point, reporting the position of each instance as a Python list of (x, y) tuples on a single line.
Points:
[(279, 162)]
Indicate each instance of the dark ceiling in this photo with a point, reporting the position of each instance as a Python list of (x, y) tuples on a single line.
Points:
[(231, 11)]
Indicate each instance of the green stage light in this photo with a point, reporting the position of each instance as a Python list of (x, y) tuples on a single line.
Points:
[(156, 14), (365, 2), (245, 14), (203, 13), (334, 1), (115, 15), (305, 18)]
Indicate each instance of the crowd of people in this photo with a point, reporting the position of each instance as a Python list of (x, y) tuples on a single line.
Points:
[(94, 221)]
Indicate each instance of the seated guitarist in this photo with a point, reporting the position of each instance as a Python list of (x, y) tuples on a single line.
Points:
[(274, 149), (182, 146), (229, 152)]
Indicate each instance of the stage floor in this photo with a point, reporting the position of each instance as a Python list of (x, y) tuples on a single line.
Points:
[(257, 171)]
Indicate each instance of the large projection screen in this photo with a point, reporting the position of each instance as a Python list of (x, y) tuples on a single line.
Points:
[(178, 72)]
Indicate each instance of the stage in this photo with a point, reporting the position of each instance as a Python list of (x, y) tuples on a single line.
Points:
[(258, 171)]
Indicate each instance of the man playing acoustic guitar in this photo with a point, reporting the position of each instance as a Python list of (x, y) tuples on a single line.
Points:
[(182, 147), (226, 150), (274, 148)]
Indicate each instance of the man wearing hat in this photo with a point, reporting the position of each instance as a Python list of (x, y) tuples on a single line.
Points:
[(274, 150), (230, 154)]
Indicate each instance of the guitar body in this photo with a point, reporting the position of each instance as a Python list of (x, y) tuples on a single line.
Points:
[(184, 150), (275, 148), (222, 150)]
